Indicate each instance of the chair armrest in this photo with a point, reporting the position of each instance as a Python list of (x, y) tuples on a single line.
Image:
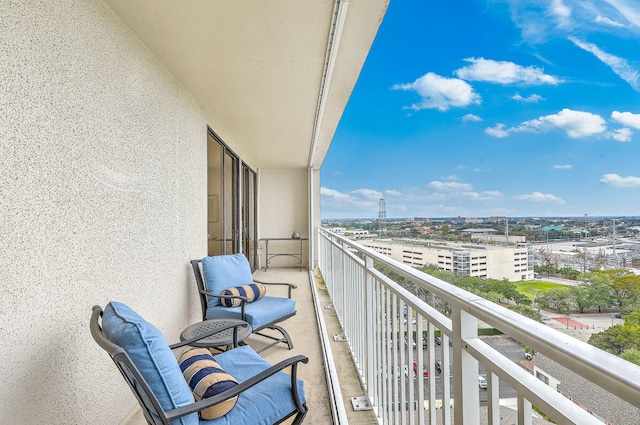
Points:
[(243, 386), (289, 285), (243, 300), (211, 294)]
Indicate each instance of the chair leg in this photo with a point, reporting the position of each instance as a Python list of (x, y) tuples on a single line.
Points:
[(285, 338)]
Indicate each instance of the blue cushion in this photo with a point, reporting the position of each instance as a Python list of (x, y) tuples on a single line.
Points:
[(264, 403), (151, 354), (258, 314), (253, 292), (206, 378), (225, 271)]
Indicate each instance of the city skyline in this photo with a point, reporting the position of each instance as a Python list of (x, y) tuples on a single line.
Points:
[(495, 108)]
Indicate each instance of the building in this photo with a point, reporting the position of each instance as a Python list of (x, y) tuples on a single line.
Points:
[(489, 261), (353, 233), (139, 135), (135, 136), (488, 236), (601, 404)]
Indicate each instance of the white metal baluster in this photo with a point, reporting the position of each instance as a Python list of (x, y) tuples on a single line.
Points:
[(465, 367), (493, 399), (524, 411)]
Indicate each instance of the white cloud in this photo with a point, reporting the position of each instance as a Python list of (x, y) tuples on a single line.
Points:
[(392, 192), (438, 185), (607, 21), (562, 13), (471, 117), (503, 72), (563, 167), (497, 131), (575, 123), (366, 199), (540, 197), (492, 193), (625, 8), (331, 193), (621, 134), (626, 118), (534, 98), (618, 65), (367, 194), (440, 93), (618, 181)]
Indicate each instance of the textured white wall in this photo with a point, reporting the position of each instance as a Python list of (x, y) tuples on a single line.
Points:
[(102, 196), (283, 207)]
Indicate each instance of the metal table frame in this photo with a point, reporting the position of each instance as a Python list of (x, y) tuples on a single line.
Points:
[(269, 257)]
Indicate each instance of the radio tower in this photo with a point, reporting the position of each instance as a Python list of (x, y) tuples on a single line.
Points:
[(382, 217)]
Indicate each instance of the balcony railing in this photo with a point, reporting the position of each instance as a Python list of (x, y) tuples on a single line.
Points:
[(382, 321)]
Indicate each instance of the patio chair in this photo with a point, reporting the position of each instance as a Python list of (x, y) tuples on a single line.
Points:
[(258, 393), (217, 274)]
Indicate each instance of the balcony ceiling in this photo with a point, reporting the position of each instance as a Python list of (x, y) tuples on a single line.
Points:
[(256, 67)]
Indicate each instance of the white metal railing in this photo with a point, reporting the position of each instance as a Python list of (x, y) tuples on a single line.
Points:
[(382, 320)]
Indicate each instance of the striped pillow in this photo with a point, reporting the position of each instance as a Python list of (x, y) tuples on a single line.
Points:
[(254, 292), (206, 378)]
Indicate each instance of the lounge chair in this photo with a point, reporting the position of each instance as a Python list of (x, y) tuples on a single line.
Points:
[(258, 394), (218, 273)]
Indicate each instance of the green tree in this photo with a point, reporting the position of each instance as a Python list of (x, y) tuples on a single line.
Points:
[(526, 311), (631, 355), (614, 340), (582, 295), (619, 338), (624, 285)]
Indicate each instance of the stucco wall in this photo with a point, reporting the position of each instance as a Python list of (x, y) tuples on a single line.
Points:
[(102, 196), (283, 207)]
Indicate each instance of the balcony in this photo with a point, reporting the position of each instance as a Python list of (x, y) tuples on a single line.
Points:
[(354, 324), (105, 197)]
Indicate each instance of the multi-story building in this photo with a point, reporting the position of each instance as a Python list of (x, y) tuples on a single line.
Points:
[(490, 261), (139, 135)]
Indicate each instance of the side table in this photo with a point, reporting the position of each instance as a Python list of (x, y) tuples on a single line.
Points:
[(297, 255), (221, 333)]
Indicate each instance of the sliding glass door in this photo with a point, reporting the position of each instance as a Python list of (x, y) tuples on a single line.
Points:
[(223, 196), (232, 210), (248, 212)]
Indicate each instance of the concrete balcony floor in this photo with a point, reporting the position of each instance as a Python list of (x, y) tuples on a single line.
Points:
[(304, 332)]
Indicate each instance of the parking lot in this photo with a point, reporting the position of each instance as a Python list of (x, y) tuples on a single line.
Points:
[(505, 345)]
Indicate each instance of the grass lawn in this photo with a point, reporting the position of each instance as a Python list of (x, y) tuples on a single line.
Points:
[(531, 287)]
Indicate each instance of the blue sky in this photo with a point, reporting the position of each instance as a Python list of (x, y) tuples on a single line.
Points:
[(493, 107)]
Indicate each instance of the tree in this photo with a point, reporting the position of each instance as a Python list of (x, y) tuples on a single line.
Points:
[(614, 340), (631, 355), (619, 338), (582, 295), (526, 311), (624, 285)]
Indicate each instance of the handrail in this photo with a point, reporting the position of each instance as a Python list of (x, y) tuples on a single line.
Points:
[(345, 263)]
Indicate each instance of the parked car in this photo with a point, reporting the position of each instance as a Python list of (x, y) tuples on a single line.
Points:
[(413, 321), (617, 315), (425, 371), (545, 317), (482, 382), (438, 367), (406, 342), (438, 340)]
